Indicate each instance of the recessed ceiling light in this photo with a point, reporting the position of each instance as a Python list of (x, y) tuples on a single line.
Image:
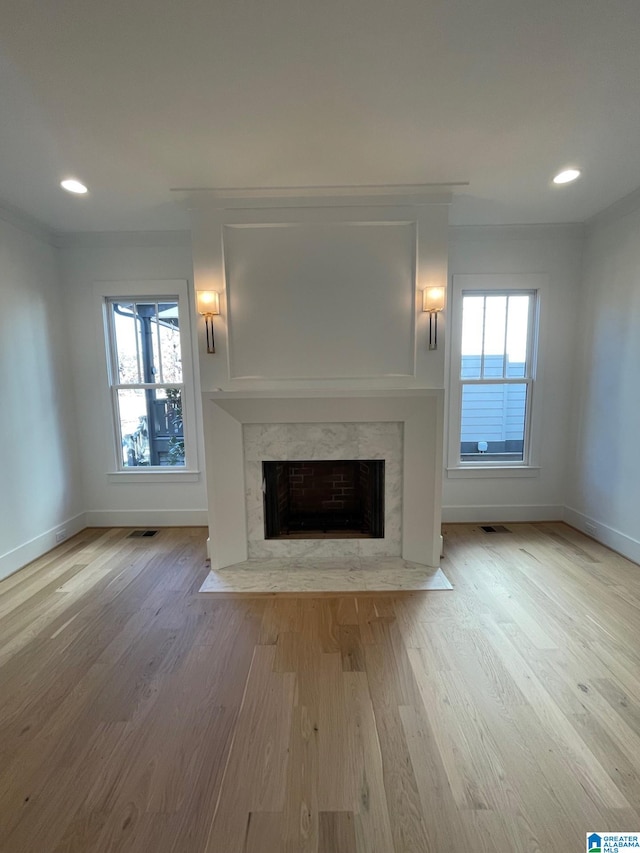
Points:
[(567, 176), (73, 186)]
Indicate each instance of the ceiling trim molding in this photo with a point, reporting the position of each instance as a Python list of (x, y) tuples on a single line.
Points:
[(26, 223), (121, 239), (516, 232), (327, 196)]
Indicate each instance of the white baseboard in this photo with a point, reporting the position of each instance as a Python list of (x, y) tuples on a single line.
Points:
[(39, 545), (148, 518), (609, 536), (496, 514)]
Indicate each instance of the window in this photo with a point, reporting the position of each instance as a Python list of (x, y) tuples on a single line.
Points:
[(146, 346), (493, 371)]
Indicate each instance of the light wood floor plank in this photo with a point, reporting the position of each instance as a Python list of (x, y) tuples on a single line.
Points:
[(137, 714)]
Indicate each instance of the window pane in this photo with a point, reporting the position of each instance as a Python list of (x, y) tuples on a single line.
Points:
[(169, 335), (145, 322), (151, 428), (155, 342), (493, 422), (495, 317), (127, 352), (147, 341), (517, 336), (472, 326)]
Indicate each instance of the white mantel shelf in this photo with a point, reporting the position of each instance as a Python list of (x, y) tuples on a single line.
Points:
[(330, 405)]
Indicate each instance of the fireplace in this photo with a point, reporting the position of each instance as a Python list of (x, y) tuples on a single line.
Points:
[(310, 499), (401, 428)]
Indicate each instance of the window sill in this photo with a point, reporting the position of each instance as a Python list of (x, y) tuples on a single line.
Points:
[(479, 471), (157, 475)]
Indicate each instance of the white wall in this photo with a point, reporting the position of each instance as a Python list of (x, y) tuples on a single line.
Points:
[(150, 499), (339, 296), (556, 252), (604, 492), (40, 491)]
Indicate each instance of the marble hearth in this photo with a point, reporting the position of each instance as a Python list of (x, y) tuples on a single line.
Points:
[(406, 427)]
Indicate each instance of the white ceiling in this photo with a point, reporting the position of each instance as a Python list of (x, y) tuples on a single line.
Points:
[(135, 98)]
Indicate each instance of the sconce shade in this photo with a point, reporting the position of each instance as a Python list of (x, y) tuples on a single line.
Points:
[(208, 302), (433, 299)]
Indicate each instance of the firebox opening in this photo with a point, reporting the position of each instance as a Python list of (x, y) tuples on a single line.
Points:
[(324, 500)]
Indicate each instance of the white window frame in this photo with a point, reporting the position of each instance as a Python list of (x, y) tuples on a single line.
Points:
[(498, 285), (131, 291)]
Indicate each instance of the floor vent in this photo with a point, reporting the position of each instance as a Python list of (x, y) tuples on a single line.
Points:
[(494, 528), (138, 534)]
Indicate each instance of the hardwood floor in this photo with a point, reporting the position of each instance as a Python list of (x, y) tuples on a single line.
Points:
[(139, 715)]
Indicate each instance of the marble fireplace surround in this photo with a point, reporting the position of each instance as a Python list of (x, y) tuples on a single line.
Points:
[(288, 442), (419, 412)]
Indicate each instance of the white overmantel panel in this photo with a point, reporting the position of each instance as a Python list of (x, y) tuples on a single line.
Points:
[(330, 301), (321, 292), (420, 412)]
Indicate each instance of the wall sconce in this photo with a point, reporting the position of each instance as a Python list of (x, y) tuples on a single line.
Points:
[(208, 305), (433, 303)]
